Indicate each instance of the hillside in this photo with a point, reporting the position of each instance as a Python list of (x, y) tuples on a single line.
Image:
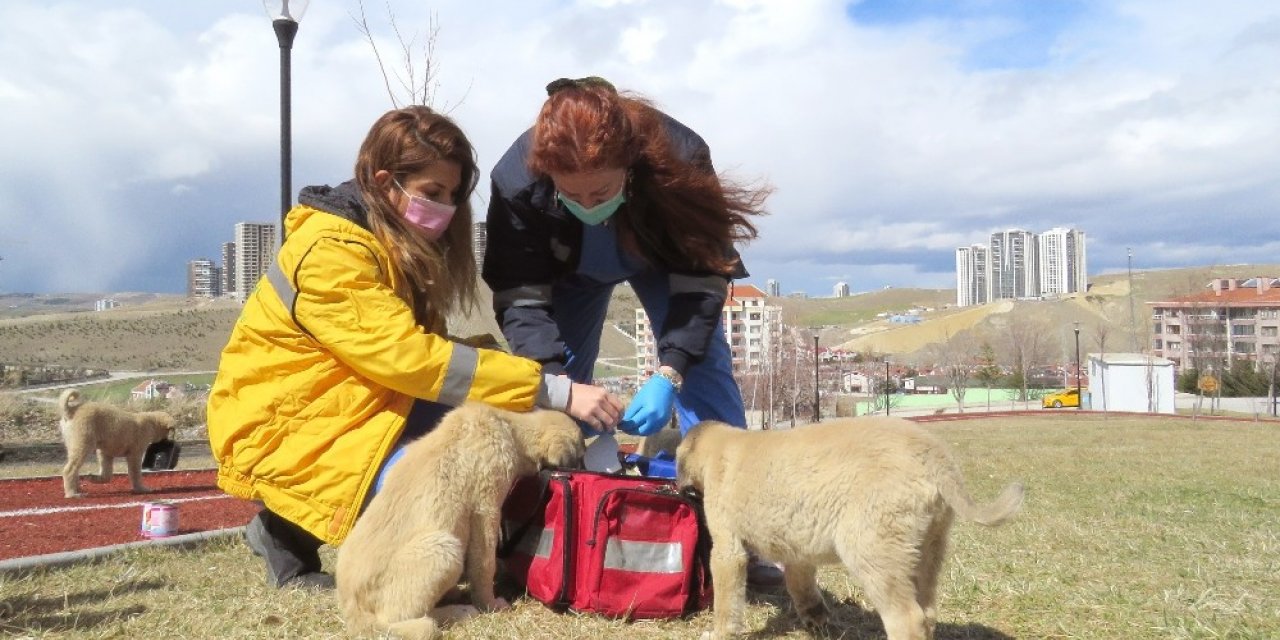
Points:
[(155, 332), (1106, 314), (152, 333)]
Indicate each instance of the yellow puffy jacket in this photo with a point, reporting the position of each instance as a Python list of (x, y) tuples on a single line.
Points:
[(315, 384)]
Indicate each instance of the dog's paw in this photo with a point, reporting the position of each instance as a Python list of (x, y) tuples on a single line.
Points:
[(815, 617), (734, 629), (75, 495), (491, 604), (454, 613)]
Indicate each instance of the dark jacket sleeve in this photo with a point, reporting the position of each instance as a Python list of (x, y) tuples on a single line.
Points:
[(519, 268), (693, 311)]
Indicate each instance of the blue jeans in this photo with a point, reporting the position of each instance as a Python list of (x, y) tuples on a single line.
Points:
[(709, 391), (423, 417)]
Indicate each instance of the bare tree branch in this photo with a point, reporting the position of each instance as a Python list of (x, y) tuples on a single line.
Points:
[(362, 24), (420, 78)]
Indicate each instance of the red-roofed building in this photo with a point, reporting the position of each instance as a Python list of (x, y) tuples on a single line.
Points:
[(750, 325), (151, 389), (1230, 320)]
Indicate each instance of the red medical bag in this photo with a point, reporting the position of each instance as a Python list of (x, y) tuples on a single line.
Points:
[(621, 546)]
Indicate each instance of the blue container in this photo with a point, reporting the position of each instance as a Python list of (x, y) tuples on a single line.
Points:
[(662, 465)]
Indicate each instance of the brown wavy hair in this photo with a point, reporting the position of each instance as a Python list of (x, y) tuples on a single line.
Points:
[(440, 275), (678, 212)]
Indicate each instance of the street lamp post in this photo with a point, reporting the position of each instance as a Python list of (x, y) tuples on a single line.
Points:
[(1079, 400), (817, 414), (886, 386), (285, 15)]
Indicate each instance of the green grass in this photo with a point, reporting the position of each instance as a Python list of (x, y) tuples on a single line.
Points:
[(118, 391), (1134, 528)]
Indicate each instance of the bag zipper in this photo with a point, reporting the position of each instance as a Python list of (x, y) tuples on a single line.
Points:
[(566, 536), (657, 490)]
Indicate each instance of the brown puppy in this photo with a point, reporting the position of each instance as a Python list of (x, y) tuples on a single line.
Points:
[(439, 510), (113, 432), (877, 495)]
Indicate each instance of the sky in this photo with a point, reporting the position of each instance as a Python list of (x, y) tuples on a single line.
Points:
[(136, 133)]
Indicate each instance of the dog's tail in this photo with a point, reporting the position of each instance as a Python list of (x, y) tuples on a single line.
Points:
[(992, 514), (68, 402)]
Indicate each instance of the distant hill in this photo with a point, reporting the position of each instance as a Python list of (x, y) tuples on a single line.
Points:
[(1110, 319), (170, 332)]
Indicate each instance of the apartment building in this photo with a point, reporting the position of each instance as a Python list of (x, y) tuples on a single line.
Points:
[(204, 279), (1231, 320), (774, 287), (972, 272), (1062, 265), (750, 325), (841, 290), (479, 240), (255, 248), (1016, 265), (228, 268)]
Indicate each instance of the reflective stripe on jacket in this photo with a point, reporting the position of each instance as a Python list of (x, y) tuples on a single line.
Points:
[(317, 379)]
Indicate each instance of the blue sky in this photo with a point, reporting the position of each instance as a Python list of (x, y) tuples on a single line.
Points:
[(138, 132)]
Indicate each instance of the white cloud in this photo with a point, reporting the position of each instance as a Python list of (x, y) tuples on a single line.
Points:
[(886, 149)]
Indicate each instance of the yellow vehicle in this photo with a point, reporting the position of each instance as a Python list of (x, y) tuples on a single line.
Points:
[(1060, 399)]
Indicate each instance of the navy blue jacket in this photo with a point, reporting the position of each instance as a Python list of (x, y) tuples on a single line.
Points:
[(533, 241)]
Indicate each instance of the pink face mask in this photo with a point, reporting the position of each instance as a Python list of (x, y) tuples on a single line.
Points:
[(430, 216)]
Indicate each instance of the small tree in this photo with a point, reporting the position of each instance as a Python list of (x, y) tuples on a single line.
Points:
[(954, 357), (419, 80), (987, 371)]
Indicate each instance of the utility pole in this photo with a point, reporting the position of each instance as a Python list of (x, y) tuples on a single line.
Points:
[(886, 386), (817, 412), (1079, 399), (1133, 321)]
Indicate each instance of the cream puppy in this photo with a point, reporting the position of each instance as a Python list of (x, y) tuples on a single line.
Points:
[(112, 432), (438, 512), (875, 494)]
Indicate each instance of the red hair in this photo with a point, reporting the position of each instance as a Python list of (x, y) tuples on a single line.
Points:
[(678, 212)]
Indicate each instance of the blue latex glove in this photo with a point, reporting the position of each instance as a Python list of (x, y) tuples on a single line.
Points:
[(650, 410)]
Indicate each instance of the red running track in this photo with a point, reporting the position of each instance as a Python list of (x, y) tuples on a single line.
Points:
[(35, 518)]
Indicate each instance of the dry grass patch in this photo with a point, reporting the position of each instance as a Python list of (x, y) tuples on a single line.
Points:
[(1134, 528)]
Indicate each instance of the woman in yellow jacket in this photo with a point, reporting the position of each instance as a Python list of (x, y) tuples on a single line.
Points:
[(340, 355)]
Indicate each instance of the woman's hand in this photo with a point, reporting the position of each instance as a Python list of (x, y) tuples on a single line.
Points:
[(594, 406), (650, 409)]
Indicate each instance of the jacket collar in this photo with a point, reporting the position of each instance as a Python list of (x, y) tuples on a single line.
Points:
[(344, 201)]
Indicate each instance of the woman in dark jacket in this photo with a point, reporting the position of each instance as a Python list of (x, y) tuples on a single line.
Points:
[(606, 188)]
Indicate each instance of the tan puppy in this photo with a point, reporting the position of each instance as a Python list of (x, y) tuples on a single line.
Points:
[(877, 495), (113, 432), (438, 511)]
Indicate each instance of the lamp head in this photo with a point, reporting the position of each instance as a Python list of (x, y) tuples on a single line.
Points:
[(290, 10)]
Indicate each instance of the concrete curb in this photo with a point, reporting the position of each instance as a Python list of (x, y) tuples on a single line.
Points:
[(18, 566)]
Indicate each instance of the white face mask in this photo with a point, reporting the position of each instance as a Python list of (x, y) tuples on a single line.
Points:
[(428, 215)]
